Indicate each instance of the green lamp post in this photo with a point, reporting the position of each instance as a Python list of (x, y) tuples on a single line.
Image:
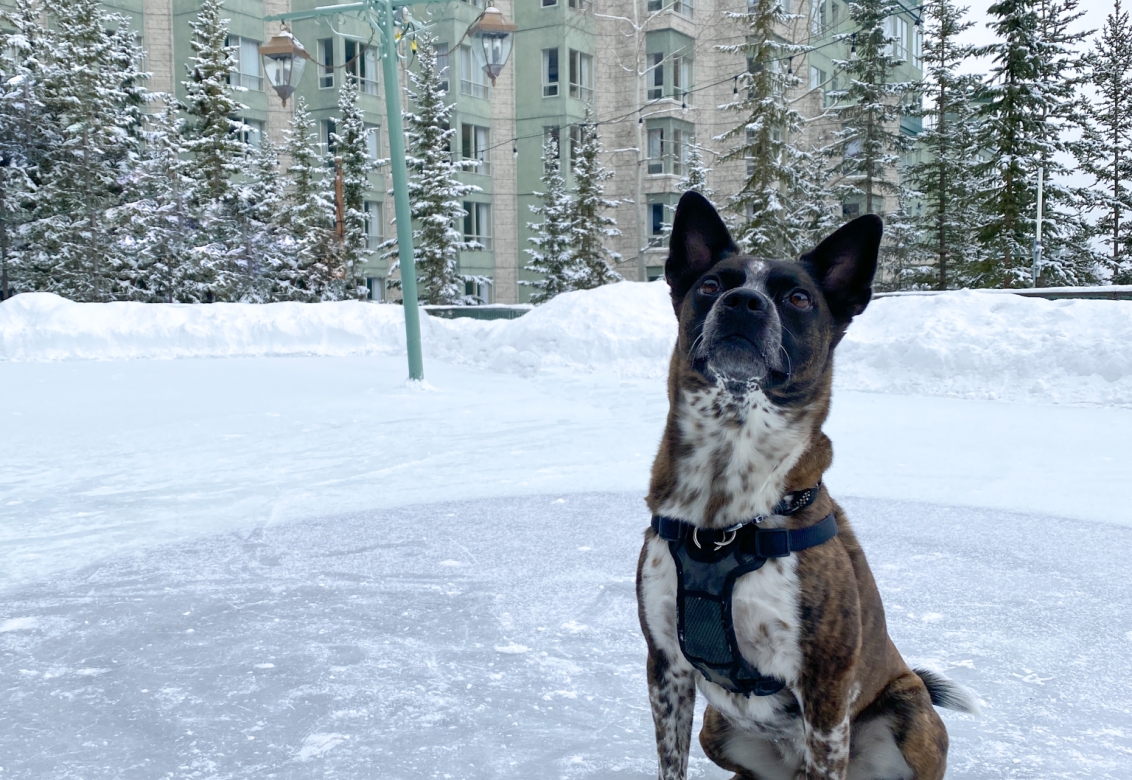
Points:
[(491, 36)]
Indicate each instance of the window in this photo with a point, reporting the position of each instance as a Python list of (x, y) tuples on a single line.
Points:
[(549, 3), (479, 288), (898, 31), (850, 209), (817, 77), (752, 162), (376, 287), (375, 225), (477, 223), (817, 22), (918, 47), (443, 66), (550, 133), (656, 224), (472, 79), (683, 7), (251, 132), (361, 65), (474, 143), (326, 63), (373, 142), (327, 128), (581, 76), (655, 150), (655, 79), (655, 5), (246, 72), (582, 5), (474, 3), (550, 72), (575, 142), (682, 79), (678, 152)]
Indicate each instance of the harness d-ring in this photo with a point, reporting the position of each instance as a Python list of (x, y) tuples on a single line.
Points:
[(718, 545)]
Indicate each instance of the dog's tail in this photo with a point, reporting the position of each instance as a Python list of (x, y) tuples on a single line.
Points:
[(947, 693)]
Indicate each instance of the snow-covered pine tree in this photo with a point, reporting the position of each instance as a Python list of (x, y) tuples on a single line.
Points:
[(553, 253), (810, 211), (212, 134), (593, 261), (308, 271), (869, 107), (435, 193), (213, 139), (255, 249), (695, 177), (153, 228), (350, 149), (1024, 111), (766, 135), (93, 93), (946, 175), (25, 51), (1105, 150), (903, 263)]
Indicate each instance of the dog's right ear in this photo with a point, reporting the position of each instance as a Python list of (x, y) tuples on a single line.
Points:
[(699, 240)]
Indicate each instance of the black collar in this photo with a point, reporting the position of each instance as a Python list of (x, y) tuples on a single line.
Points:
[(769, 542)]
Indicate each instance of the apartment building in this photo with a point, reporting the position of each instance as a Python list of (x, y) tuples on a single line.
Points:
[(650, 71)]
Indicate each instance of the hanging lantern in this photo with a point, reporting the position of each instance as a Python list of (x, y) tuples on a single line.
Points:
[(491, 41), (284, 59)]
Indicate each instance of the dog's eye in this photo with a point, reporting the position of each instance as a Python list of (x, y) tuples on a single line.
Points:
[(709, 286), (800, 299)]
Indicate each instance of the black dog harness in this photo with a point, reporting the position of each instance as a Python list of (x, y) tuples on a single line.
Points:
[(707, 564)]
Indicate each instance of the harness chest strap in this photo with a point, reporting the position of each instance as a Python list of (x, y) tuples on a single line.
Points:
[(707, 565)]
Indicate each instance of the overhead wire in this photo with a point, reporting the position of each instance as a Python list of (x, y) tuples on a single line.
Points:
[(841, 37)]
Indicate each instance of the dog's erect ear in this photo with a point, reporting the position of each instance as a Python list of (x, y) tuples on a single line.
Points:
[(699, 240), (843, 266)]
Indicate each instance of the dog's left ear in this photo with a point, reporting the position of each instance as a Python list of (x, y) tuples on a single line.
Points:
[(699, 240), (844, 264)]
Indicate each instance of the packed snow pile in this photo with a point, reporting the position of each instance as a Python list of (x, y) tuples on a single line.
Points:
[(966, 344)]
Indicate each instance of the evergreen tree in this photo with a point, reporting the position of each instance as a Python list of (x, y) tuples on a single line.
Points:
[(25, 130), (592, 259), (1105, 150), (553, 255), (153, 228), (435, 193), (355, 165), (694, 178), (212, 135), (946, 173), (810, 211), (307, 271), (870, 106), (766, 136), (1025, 105), (93, 93), (255, 250), (904, 262)]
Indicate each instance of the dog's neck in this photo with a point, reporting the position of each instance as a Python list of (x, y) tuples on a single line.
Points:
[(729, 453)]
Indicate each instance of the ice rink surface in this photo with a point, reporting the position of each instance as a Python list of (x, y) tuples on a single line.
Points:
[(498, 638)]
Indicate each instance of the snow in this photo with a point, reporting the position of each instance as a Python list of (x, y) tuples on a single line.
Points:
[(243, 566), (963, 344)]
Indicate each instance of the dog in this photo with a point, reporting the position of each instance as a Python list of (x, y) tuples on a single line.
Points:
[(820, 689)]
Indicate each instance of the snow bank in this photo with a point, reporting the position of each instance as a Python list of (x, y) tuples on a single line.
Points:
[(965, 344)]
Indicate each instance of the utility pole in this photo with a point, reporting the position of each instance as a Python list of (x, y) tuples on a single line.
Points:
[(1036, 269)]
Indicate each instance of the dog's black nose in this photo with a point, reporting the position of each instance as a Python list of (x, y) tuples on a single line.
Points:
[(753, 300)]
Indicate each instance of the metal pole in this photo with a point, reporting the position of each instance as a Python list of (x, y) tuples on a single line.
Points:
[(1036, 269), (400, 173)]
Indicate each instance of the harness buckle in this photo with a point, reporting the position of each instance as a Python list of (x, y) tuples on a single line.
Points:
[(729, 535), (772, 543)]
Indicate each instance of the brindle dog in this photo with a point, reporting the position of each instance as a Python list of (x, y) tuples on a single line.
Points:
[(749, 389)]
